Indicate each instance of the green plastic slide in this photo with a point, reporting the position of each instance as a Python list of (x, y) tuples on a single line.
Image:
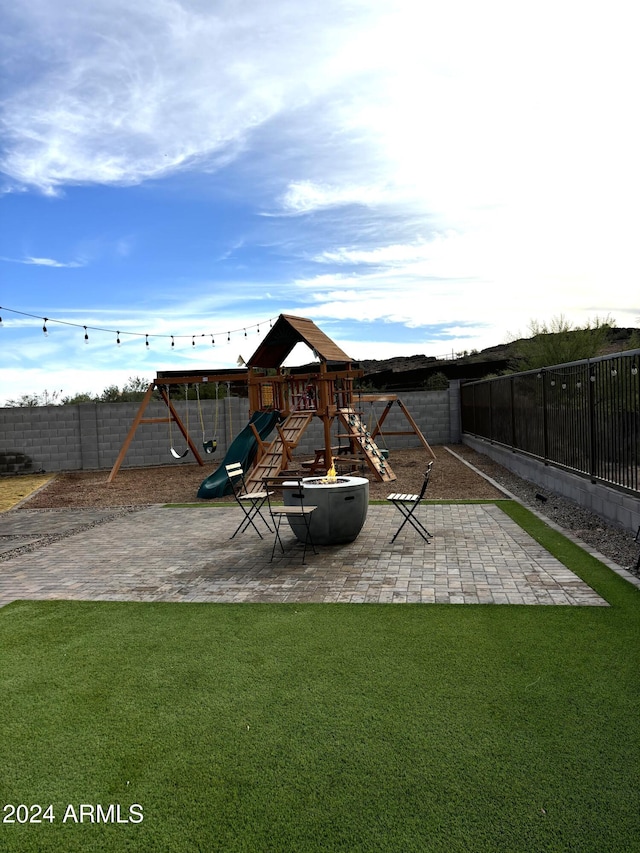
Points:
[(242, 449)]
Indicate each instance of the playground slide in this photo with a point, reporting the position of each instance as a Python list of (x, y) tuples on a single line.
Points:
[(242, 449)]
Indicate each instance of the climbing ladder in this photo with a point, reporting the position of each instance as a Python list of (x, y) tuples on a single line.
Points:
[(276, 456), (358, 434)]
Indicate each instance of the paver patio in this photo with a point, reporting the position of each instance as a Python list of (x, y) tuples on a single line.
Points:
[(478, 556)]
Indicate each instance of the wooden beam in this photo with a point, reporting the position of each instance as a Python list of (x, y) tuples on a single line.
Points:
[(260, 442), (416, 428), (175, 417), (132, 430), (374, 398)]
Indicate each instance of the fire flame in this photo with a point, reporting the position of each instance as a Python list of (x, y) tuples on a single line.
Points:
[(331, 473)]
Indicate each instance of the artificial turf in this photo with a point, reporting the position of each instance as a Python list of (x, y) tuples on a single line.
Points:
[(326, 727)]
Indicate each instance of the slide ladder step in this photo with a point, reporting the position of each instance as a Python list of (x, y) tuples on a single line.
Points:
[(360, 435)]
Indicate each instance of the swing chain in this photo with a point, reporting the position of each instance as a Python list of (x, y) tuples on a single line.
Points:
[(208, 445), (174, 452)]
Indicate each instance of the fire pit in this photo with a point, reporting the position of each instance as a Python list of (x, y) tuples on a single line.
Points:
[(342, 508)]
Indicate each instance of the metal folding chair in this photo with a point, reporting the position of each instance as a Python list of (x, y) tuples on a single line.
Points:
[(298, 510), (407, 504), (250, 503)]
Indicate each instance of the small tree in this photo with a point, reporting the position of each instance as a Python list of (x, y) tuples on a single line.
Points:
[(46, 398), (133, 391), (82, 397), (559, 342), (437, 382)]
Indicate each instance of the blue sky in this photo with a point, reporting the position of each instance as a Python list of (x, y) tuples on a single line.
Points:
[(415, 177)]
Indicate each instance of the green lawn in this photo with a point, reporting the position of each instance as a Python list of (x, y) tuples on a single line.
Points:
[(327, 727)]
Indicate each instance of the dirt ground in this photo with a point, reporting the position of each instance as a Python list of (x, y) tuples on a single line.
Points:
[(179, 483)]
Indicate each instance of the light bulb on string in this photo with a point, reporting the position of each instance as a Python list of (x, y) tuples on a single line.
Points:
[(85, 329), (193, 340)]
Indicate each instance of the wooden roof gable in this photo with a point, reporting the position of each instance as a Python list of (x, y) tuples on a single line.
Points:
[(285, 334)]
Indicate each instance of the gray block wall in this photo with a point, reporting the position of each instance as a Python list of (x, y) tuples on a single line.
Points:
[(88, 436), (620, 508)]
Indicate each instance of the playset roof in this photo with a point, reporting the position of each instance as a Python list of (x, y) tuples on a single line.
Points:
[(285, 334)]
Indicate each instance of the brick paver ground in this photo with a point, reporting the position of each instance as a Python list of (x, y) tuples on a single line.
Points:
[(478, 555)]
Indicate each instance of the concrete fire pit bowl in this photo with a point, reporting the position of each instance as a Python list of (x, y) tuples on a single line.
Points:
[(342, 508)]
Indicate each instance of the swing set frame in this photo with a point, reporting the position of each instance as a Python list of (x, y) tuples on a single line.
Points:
[(162, 383)]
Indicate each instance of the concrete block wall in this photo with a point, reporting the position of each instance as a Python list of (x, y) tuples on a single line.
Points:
[(618, 507), (49, 435), (429, 409), (89, 436)]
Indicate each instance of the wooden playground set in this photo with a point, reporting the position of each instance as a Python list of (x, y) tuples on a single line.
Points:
[(294, 396)]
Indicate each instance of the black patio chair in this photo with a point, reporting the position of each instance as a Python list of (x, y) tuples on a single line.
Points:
[(250, 503), (299, 511), (407, 504)]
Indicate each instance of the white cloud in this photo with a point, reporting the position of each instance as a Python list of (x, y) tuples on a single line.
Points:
[(459, 164), (49, 262), (389, 255), (307, 196), (131, 92), (44, 262)]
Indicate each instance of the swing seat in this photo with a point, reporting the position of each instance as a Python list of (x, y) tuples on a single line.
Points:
[(177, 455), (210, 446)]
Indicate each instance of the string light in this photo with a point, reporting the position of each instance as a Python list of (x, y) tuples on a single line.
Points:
[(146, 340), (86, 335), (118, 338), (146, 335)]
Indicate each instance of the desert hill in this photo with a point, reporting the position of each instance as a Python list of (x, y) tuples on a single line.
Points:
[(420, 371)]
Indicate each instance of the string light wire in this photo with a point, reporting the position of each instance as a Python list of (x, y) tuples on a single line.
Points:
[(145, 335)]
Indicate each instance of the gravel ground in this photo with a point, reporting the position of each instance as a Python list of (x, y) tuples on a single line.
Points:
[(611, 541)]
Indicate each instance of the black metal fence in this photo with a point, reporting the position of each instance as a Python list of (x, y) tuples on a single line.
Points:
[(583, 416)]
